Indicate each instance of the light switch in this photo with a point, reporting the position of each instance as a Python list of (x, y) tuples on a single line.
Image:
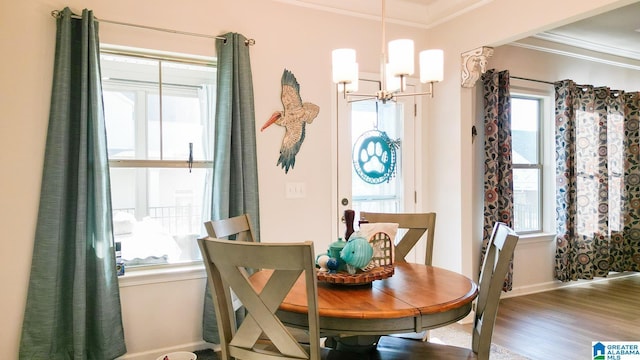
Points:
[(295, 190)]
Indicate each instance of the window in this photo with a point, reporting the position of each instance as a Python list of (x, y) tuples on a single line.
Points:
[(372, 176), (527, 118), (159, 115), (366, 116)]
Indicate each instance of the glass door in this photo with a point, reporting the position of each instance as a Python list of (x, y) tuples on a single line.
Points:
[(376, 154)]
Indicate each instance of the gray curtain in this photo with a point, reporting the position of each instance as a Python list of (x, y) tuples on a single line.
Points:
[(235, 167), (73, 302)]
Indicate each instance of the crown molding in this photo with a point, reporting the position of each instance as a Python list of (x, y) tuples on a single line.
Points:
[(588, 45), (538, 43), (402, 12)]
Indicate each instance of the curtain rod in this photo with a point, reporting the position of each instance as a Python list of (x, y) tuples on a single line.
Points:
[(248, 42), (534, 80)]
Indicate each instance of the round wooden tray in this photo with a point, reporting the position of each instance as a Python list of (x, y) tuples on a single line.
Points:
[(344, 278)]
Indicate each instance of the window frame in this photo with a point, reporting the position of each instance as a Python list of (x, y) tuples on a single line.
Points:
[(145, 164), (544, 94)]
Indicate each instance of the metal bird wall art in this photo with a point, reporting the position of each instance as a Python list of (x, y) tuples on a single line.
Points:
[(294, 118)]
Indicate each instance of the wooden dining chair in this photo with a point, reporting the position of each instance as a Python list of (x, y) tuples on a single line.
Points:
[(238, 226), (226, 262), (494, 270), (262, 336), (416, 224)]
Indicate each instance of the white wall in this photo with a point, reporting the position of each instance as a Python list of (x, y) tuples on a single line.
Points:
[(161, 315)]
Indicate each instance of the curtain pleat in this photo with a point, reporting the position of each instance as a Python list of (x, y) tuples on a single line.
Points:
[(73, 303), (498, 166), (597, 181), (235, 166)]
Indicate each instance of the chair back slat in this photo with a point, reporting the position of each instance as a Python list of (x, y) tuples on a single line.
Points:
[(416, 225), (238, 227), (495, 266)]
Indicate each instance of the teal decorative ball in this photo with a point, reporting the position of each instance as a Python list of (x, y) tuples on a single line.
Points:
[(357, 252)]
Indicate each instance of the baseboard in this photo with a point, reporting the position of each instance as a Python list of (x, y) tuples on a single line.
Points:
[(553, 285), (155, 353)]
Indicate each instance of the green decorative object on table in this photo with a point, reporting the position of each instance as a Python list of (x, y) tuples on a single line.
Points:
[(333, 252), (350, 263), (356, 253)]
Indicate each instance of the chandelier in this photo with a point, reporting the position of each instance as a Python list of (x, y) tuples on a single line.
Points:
[(395, 67)]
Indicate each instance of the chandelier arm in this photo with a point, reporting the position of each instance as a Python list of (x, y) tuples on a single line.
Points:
[(397, 95), (368, 97), (428, 92), (362, 95)]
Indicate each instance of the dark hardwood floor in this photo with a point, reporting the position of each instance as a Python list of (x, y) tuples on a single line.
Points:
[(562, 323)]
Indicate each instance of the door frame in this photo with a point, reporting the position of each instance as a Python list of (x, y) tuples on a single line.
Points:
[(338, 109)]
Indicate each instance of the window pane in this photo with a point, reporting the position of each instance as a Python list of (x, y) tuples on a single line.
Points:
[(525, 117), (158, 213), (181, 125), (117, 68), (153, 127), (526, 199), (368, 115), (120, 123), (186, 109), (126, 81)]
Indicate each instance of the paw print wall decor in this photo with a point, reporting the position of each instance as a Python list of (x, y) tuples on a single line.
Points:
[(374, 157)]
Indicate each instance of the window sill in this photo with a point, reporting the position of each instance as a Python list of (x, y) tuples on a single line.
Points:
[(136, 277), (537, 238)]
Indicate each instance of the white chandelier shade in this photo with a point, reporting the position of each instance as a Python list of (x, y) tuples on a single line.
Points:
[(400, 57), (345, 69), (400, 65), (431, 66)]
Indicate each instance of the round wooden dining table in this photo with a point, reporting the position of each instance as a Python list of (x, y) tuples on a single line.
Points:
[(417, 297)]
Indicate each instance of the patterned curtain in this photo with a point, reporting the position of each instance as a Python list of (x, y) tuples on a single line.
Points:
[(598, 181), (73, 304), (235, 164), (498, 167)]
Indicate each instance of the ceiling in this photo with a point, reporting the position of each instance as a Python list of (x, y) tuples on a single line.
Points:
[(417, 13), (616, 32)]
